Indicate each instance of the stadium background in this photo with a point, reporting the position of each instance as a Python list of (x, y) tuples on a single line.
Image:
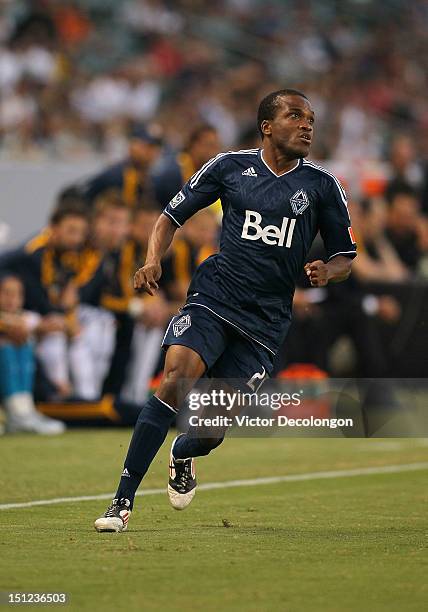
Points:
[(80, 79), (278, 523)]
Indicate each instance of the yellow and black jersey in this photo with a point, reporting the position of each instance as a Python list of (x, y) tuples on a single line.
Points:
[(119, 267), (180, 265), (134, 185), (173, 173), (45, 271), (118, 271)]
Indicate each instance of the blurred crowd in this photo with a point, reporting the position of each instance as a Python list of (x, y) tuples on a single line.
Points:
[(161, 87), (75, 74)]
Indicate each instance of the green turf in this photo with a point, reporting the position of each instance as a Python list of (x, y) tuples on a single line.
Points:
[(355, 543)]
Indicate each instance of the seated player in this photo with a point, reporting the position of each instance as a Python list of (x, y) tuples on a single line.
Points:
[(132, 176), (195, 242), (112, 289), (17, 361), (55, 267), (174, 171), (238, 308), (150, 313)]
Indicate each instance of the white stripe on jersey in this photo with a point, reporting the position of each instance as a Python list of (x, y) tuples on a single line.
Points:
[(165, 212), (322, 169), (338, 185), (342, 253), (195, 178)]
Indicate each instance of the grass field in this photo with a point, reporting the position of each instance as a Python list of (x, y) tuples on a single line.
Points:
[(337, 544)]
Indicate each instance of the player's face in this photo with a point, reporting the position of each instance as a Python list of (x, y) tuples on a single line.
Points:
[(404, 212), (201, 230), (143, 153), (112, 228), (143, 225), (70, 233), (292, 128), (11, 295), (207, 146)]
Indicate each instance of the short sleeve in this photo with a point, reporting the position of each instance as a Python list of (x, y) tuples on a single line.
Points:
[(334, 220), (201, 190)]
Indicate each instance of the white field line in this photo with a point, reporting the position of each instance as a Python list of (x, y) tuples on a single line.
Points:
[(229, 484)]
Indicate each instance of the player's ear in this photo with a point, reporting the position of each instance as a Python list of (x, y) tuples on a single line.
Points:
[(266, 128)]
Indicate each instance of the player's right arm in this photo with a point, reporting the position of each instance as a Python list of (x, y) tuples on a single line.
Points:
[(161, 237), (202, 189)]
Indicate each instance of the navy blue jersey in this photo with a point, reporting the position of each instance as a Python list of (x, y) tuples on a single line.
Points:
[(269, 224)]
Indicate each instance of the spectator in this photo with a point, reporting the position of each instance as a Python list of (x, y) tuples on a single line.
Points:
[(406, 228), (405, 167), (377, 259), (17, 362)]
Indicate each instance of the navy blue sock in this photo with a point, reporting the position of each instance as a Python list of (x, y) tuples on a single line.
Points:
[(190, 445), (150, 431)]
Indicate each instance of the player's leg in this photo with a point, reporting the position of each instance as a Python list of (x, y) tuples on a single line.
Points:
[(208, 335), (183, 366), (198, 441), (244, 365)]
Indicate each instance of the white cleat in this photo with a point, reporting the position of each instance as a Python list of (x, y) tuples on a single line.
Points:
[(22, 416), (35, 423), (116, 517), (182, 481)]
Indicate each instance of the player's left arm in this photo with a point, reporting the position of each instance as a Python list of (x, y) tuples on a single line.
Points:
[(335, 228), (336, 270)]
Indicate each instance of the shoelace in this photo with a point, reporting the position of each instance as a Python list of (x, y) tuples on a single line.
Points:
[(111, 510), (183, 477)]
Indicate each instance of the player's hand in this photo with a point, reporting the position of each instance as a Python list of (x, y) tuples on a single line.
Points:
[(69, 296), (146, 278), (317, 272)]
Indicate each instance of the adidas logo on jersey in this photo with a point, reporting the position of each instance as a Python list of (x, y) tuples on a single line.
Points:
[(249, 172), (271, 234)]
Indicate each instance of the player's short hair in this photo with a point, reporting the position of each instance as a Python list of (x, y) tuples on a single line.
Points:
[(148, 206), (399, 187), (69, 207), (269, 105), (5, 276), (108, 200), (68, 203), (197, 132)]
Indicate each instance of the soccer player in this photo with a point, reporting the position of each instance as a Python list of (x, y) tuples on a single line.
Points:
[(238, 307), (131, 176), (175, 170)]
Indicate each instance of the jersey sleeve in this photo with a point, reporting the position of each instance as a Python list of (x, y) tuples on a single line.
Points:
[(334, 221), (201, 190)]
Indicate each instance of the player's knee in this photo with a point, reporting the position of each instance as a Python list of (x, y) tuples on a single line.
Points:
[(172, 388)]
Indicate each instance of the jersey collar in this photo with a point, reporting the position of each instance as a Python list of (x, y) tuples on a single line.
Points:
[(299, 161)]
